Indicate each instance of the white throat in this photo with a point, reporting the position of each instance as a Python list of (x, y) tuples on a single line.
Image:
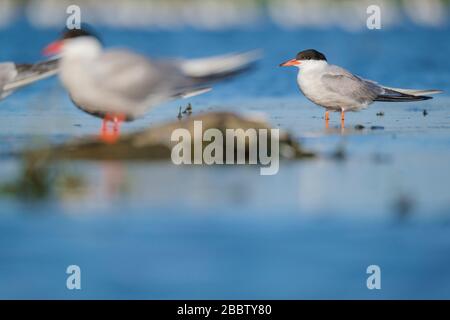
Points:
[(81, 48), (310, 65)]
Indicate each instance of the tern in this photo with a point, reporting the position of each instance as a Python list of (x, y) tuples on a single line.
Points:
[(14, 76), (336, 89), (119, 85)]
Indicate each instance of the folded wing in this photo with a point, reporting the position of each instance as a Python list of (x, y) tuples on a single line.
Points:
[(25, 74), (340, 81)]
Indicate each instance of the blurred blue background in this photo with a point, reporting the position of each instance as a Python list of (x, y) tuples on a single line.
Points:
[(154, 230)]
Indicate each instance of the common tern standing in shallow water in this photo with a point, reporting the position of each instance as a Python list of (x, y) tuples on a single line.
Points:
[(336, 89), (119, 85), (14, 76)]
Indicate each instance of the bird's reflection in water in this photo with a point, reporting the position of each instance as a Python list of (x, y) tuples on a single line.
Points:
[(105, 185), (113, 180), (339, 130)]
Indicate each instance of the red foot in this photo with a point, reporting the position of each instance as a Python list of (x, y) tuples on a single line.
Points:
[(111, 136)]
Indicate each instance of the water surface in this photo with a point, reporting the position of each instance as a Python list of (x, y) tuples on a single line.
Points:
[(155, 230)]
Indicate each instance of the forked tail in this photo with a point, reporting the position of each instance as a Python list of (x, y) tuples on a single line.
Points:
[(405, 95)]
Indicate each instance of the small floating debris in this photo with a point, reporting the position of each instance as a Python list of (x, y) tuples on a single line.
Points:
[(188, 110), (359, 127), (340, 154), (376, 128), (404, 206), (380, 114), (425, 112), (379, 158)]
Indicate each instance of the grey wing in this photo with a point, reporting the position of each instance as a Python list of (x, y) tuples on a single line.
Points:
[(196, 76), (133, 80), (124, 82), (134, 76), (342, 82)]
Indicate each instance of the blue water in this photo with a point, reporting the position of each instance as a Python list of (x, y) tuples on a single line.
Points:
[(155, 230)]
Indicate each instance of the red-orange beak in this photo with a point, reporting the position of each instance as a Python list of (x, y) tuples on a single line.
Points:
[(289, 63), (53, 48)]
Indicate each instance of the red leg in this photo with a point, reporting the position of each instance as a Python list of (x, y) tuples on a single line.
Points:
[(104, 125), (118, 119), (106, 135)]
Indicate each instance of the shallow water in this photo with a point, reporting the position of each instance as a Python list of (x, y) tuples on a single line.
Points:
[(159, 231)]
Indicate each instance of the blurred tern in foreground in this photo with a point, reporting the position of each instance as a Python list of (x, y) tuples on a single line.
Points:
[(14, 76), (336, 89), (119, 85)]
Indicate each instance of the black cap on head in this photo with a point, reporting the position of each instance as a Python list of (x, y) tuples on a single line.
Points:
[(74, 33), (310, 54), (84, 31)]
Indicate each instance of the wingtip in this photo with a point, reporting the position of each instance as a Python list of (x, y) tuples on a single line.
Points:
[(433, 91), (220, 65), (195, 93)]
